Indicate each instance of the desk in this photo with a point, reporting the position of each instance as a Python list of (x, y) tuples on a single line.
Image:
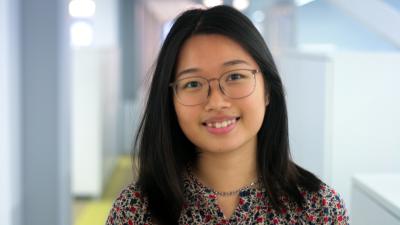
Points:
[(376, 199)]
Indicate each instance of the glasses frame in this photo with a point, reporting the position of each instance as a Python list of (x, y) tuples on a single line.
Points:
[(174, 84)]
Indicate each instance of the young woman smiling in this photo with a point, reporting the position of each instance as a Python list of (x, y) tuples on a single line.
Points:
[(213, 142)]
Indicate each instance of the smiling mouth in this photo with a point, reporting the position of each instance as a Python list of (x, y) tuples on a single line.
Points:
[(221, 124)]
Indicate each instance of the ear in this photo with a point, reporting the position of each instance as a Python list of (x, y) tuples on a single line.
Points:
[(266, 100)]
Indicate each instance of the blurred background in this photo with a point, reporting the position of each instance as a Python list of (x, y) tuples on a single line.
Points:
[(74, 75)]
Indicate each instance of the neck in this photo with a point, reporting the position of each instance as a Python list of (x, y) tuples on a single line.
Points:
[(227, 171)]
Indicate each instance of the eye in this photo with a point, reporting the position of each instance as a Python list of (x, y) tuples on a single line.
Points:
[(191, 85), (235, 77)]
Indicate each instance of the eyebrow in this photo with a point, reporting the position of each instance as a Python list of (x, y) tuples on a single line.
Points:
[(225, 64)]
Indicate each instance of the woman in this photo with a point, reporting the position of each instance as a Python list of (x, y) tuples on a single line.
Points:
[(213, 142)]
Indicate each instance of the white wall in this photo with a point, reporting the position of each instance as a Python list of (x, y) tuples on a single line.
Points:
[(95, 105), (343, 113), (366, 113), (307, 81), (5, 147), (9, 123), (86, 132), (5, 139), (105, 23)]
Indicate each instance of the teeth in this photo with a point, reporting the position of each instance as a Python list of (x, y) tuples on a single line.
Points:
[(221, 124)]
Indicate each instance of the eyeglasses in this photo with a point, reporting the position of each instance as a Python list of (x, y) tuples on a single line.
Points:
[(195, 90)]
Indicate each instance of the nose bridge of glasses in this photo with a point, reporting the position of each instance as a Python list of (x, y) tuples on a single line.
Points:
[(218, 83)]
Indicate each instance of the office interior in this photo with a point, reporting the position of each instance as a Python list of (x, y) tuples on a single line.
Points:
[(74, 76)]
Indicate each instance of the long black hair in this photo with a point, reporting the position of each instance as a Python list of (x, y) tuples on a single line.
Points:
[(164, 151)]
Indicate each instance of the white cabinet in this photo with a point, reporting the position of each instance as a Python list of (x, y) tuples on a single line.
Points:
[(376, 199), (344, 112)]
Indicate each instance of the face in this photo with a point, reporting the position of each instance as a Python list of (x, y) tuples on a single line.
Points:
[(220, 124)]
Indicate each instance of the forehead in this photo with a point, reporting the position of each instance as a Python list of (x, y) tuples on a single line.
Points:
[(210, 52)]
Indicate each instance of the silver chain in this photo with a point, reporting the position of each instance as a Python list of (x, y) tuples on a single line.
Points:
[(231, 193)]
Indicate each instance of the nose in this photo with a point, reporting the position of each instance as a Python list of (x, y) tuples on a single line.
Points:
[(217, 100)]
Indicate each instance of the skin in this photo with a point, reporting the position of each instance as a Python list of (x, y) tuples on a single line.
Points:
[(227, 161)]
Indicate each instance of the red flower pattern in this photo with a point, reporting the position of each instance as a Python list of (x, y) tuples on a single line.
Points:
[(200, 207)]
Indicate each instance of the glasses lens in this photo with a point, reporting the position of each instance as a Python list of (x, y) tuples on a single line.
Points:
[(238, 83), (192, 90)]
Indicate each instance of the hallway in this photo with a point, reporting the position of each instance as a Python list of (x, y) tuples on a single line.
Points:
[(95, 211)]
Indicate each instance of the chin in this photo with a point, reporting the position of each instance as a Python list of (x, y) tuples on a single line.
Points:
[(218, 148)]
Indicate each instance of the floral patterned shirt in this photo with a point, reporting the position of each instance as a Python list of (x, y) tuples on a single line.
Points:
[(200, 207)]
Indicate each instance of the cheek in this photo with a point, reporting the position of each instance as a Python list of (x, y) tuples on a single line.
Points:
[(186, 118), (255, 108), (254, 112)]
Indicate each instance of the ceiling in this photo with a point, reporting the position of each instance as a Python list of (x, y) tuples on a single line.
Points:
[(165, 10)]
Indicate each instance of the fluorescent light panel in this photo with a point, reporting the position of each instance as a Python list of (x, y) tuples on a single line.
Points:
[(303, 2), (82, 8), (212, 3), (241, 4)]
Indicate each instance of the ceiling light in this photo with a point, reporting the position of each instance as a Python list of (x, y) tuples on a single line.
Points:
[(82, 8), (81, 34), (303, 2), (241, 4), (212, 3)]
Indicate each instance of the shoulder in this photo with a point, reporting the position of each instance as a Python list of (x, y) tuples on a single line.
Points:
[(130, 207), (325, 206)]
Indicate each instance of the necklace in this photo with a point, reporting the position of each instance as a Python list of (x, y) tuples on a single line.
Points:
[(221, 193), (235, 192)]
